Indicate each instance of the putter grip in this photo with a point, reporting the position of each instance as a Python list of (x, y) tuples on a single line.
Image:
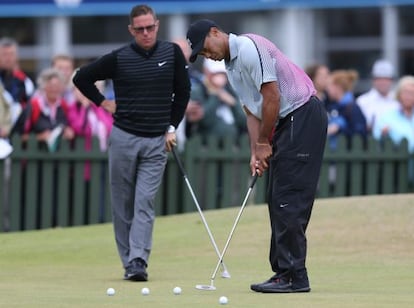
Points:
[(256, 175)]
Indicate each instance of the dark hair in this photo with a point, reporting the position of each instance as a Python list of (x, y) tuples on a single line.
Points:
[(139, 10), (312, 69)]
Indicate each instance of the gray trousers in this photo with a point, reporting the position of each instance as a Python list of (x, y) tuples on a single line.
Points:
[(136, 168)]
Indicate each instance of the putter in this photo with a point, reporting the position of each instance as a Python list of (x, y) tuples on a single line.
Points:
[(211, 286), (225, 273)]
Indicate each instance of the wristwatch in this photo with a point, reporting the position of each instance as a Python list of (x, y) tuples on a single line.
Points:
[(171, 129)]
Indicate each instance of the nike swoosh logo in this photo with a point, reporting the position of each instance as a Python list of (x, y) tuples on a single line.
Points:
[(284, 205), (161, 63)]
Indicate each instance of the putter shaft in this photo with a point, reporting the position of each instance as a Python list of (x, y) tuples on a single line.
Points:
[(226, 273), (234, 226)]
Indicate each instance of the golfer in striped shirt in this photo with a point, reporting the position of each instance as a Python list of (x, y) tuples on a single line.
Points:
[(287, 130)]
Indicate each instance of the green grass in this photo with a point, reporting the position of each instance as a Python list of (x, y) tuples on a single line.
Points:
[(361, 254)]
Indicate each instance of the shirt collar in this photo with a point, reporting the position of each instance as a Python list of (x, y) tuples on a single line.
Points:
[(233, 47), (142, 51)]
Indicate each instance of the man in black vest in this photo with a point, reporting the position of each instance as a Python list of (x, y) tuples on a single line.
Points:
[(152, 89)]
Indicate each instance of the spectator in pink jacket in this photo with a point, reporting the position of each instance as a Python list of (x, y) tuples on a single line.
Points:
[(89, 121)]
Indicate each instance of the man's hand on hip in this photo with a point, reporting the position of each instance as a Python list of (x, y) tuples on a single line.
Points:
[(109, 105)]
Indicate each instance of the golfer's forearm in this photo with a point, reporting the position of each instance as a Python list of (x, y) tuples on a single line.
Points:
[(270, 110), (253, 126), (269, 117)]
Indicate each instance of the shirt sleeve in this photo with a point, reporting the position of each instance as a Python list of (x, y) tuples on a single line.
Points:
[(182, 87), (85, 77)]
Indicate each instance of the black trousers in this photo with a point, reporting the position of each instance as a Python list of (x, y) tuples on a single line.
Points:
[(298, 147)]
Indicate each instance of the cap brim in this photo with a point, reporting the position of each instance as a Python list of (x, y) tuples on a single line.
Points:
[(196, 50)]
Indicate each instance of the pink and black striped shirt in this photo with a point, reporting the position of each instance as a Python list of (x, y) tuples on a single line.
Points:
[(254, 60)]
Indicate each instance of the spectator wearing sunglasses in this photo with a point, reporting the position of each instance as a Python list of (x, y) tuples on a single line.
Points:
[(152, 89)]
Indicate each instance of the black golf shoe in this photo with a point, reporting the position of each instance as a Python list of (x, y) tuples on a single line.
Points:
[(258, 286), (294, 283), (136, 270)]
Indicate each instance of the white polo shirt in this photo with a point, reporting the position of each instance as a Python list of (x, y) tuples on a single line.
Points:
[(254, 60), (374, 105)]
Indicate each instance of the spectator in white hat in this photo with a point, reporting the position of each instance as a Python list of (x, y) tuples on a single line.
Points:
[(399, 123), (380, 98)]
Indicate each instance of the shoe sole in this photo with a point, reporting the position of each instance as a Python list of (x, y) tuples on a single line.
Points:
[(137, 277), (301, 290), (257, 287)]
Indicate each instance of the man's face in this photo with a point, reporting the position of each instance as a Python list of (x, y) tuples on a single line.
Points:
[(65, 67), (321, 78), (53, 89), (406, 96), (383, 85), (144, 29), (8, 57), (334, 91), (213, 46)]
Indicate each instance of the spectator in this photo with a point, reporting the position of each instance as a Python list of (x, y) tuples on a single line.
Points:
[(152, 89), (398, 124), (319, 74), (14, 80), (195, 76), (380, 99), (344, 115), (5, 124), (46, 113), (88, 121), (5, 114), (223, 115), (194, 111), (65, 64)]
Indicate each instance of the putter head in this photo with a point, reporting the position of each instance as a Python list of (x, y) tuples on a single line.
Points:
[(225, 274), (205, 287)]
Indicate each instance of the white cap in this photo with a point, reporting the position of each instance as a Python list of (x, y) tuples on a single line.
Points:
[(214, 67), (382, 69)]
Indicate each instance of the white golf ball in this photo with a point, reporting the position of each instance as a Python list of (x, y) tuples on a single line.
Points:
[(110, 291), (177, 290), (223, 300), (145, 291)]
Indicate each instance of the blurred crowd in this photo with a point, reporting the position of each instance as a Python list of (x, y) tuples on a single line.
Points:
[(52, 107), (384, 111)]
